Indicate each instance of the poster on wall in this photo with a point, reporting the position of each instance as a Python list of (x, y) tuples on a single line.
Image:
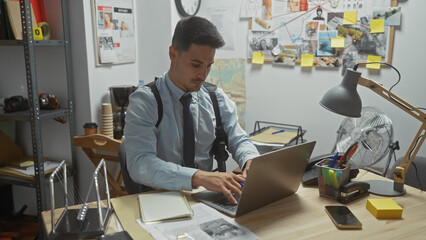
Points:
[(115, 31)]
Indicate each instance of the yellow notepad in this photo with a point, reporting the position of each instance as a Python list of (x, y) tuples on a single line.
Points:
[(385, 208), (164, 206), (279, 138)]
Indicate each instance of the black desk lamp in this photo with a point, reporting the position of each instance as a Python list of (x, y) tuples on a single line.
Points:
[(344, 100)]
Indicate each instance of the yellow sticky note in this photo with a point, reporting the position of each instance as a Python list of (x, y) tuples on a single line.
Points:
[(372, 58), (384, 208), (37, 33), (377, 25), (338, 42), (26, 164), (307, 60), (258, 58), (349, 17)]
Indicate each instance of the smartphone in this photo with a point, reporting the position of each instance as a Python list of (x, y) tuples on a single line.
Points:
[(343, 217)]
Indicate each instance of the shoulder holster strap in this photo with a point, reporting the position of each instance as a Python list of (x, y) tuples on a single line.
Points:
[(221, 141), (154, 89)]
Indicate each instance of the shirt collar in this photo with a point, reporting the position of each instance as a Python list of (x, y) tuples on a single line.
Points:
[(175, 91)]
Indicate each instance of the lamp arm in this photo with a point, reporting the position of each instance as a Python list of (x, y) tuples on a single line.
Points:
[(401, 170)]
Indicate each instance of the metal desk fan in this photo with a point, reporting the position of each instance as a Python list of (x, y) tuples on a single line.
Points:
[(374, 133)]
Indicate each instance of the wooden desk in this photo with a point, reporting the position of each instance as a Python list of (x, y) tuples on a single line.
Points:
[(302, 216)]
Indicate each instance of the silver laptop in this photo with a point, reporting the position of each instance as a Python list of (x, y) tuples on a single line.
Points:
[(272, 176)]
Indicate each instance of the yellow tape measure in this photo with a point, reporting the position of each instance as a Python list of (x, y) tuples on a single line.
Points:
[(37, 33), (45, 30)]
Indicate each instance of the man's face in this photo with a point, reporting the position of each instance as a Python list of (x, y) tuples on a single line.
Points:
[(189, 69)]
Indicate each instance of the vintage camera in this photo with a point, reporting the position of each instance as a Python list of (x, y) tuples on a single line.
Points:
[(48, 101), (15, 103)]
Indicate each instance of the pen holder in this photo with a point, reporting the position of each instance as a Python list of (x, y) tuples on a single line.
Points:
[(330, 179)]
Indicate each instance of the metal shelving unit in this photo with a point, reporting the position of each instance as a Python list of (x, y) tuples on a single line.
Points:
[(34, 115)]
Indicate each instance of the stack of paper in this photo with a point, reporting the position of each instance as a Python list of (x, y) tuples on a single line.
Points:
[(157, 207)]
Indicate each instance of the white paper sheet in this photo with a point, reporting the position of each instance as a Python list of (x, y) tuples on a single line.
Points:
[(206, 223)]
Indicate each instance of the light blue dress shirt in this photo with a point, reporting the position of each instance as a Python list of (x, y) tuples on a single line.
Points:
[(155, 155)]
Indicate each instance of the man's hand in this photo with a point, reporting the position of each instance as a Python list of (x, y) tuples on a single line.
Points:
[(246, 168), (219, 182)]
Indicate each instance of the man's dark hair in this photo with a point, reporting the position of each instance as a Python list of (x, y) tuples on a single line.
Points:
[(196, 30)]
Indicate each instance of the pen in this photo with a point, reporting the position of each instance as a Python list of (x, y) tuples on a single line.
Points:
[(242, 184), (279, 131), (333, 160), (351, 153), (351, 150)]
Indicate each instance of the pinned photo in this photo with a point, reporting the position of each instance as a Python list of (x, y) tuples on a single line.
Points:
[(392, 16), (287, 56)]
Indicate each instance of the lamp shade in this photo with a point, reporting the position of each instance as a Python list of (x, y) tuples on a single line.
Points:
[(344, 99)]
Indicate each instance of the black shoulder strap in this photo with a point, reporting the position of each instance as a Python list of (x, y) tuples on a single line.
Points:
[(212, 92), (154, 89), (221, 141)]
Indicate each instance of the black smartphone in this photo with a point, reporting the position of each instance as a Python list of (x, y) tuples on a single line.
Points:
[(343, 217)]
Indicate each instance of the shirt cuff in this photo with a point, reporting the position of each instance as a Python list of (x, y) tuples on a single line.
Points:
[(246, 158), (186, 178)]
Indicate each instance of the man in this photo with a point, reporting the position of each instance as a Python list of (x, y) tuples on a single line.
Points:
[(319, 14), (155, 155)]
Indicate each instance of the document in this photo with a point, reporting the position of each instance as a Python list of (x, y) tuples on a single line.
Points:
[(206, 223), (272, 135), (48, 165), (164, 206)]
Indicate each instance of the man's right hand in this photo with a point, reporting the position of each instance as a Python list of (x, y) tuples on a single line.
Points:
[(223, 182)]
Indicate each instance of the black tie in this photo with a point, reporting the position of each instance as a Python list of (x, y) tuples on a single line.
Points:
[(188, 132)]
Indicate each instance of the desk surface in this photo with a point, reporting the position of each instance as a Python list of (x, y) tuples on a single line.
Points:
[(302, 216)]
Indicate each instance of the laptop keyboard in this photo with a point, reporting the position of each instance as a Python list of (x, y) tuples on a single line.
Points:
[(225, 203)]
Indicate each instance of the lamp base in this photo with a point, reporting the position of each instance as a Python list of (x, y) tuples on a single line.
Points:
[(383, 188)]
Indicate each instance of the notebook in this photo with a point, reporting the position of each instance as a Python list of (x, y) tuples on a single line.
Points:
[(272, 176), (164, 206)]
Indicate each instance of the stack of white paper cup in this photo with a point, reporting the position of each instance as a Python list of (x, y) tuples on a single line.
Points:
[(107, 122)]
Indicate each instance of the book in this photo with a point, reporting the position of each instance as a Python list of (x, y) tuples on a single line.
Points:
[(38, 9), (164, 206), (3, 22), (385, 208), (8, 28), (14, 15)]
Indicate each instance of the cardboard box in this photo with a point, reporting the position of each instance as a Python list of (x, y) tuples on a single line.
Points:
[(11, 155), (8, 127), (384, 208)]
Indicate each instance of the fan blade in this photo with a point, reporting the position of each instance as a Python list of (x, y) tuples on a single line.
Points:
[(343, 144)]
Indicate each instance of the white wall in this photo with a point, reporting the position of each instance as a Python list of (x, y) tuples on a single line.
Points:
[(291, 95), (153, 23), (92, 82)]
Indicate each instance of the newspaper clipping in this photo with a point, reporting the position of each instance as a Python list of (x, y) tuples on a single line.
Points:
[(115, 31)]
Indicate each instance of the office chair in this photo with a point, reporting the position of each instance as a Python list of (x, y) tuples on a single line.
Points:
[(410, 176), (98, 147), (131, 186)]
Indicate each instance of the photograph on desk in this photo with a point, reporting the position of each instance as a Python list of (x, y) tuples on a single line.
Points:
[(206, 223)]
